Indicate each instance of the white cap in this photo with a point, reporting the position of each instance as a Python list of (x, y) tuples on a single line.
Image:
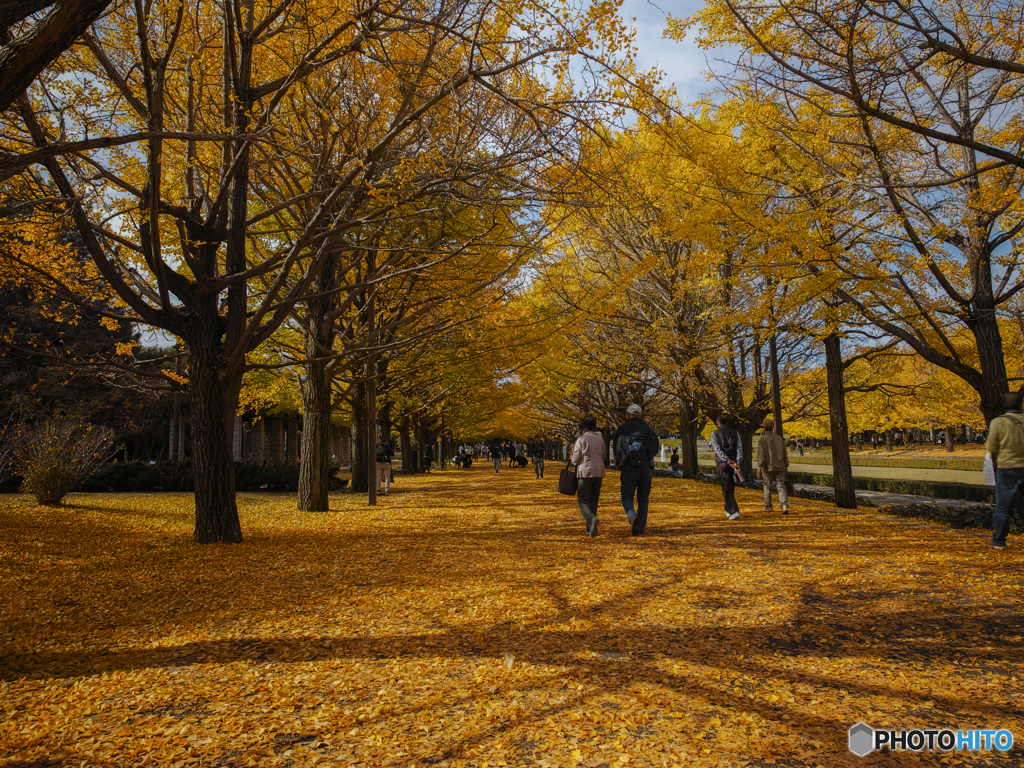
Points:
[(634, 408)]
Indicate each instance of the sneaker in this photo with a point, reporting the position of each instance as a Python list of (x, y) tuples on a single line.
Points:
[(767, 510), (734, 516), (592, 529), (634, 526), (991, 544), (785, 510)]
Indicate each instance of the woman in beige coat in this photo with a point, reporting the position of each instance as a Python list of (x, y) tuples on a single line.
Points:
[(588, 456)]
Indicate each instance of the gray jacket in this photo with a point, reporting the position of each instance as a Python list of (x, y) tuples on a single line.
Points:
[(588, 455)]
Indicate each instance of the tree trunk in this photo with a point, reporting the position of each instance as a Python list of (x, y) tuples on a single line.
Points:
[(888, 441), (747, 438), (406, 445), (991, 360), (359, 457), (371, 428), (689, 429), (213, 403), (842, 471), (315, 458), (773, 356), (315, 452), (860, 441), (949, 439)]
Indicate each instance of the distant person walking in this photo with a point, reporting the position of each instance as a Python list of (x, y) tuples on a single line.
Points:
[(428, 457), (673, 463), (1006, 444), (537, 455), (588, 456), (496, 451), (384, 455), (520, 454), (636, 445), (728, 448), (772, 463)]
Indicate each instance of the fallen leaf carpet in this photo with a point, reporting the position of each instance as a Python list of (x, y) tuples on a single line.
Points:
[(467, 621)]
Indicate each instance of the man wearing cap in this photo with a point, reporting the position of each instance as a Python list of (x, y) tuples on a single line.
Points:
[(772, 463), (636, 445)]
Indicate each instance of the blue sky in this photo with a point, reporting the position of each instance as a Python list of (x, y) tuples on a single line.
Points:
[(683, 63)]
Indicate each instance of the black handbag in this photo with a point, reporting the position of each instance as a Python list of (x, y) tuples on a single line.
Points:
[(568, 483)]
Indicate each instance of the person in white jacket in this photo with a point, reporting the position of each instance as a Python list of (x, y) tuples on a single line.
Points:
[(588, 456)]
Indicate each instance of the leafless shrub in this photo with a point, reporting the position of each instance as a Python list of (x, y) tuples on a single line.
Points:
[(55, 456)]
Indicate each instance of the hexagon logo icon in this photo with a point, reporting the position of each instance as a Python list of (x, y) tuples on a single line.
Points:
[(861, 739)]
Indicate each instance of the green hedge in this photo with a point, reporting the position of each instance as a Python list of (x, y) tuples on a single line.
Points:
[(931, 488), (136, 477), (966, 464), (898, 461)]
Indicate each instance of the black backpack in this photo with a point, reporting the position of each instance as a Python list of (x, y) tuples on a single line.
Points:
[(634, 450)]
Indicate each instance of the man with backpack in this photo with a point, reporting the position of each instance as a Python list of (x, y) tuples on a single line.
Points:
[(636, 445), (384, 454), (1006, 444)]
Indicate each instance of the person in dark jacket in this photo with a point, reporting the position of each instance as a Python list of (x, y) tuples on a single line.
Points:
[(536, 451), (636, 445), (728, 448)]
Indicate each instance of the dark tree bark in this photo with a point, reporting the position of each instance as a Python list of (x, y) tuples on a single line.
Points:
[(888, 441), (213, 400), (315, 459), (404, 441), (315, 455), (359, 457), (949, 438), (747, 438), (689, 430), (773, 359), (842, 471), (23, 58)]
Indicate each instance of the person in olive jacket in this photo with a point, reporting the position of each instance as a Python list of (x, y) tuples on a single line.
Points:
[(1006, 444), (588, 456)]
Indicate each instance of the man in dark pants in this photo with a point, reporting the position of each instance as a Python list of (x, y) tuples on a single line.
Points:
[(1006, 444), (636, 445), (728, 448)]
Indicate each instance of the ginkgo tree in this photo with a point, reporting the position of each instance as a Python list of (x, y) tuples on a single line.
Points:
[(907, 115), (184, 220)]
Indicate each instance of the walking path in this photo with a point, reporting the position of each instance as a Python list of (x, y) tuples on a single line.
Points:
[(898, 473), (466, 621)]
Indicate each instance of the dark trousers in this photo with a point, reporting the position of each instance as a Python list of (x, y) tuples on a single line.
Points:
[(1008, 483), (727, 478), (637, 480), (587, 494)]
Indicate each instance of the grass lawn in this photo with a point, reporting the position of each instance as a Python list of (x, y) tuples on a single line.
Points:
[(466, 621)]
